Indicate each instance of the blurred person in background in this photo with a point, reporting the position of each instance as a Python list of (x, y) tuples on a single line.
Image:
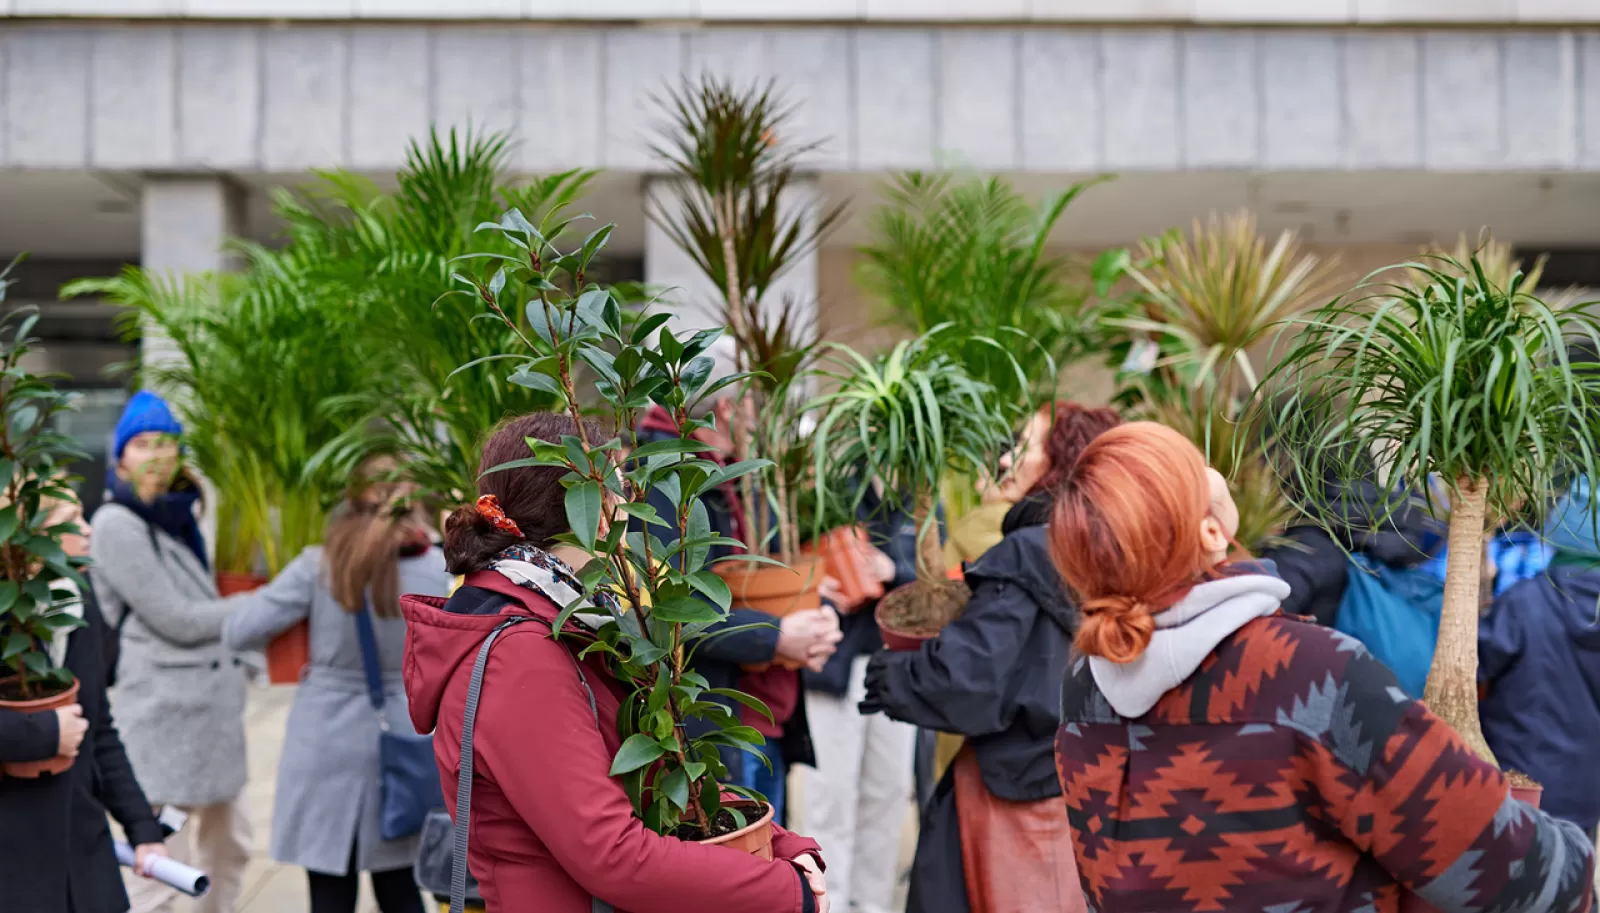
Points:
[(326, 814), (55, 845), (180, 690), (994, 837)]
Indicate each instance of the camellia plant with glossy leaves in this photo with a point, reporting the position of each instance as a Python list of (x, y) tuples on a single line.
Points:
[(662, 601), (33, 462)]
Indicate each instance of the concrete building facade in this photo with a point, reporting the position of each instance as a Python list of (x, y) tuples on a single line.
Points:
[(148, 131)]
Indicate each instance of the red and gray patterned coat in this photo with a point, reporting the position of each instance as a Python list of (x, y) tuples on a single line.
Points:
[(1290, 774)]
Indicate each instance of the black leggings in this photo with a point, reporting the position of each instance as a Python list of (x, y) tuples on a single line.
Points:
[(396, 890)]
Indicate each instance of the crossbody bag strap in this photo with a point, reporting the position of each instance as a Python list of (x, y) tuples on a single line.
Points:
[(368, 638), (463, 821)]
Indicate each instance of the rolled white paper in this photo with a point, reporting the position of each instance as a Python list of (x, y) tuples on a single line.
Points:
[(170, 872)]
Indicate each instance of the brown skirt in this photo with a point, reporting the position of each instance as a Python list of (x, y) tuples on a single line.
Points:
[(1017, 855)]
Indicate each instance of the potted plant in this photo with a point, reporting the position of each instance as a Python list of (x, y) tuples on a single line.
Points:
[(33, 610), (1443, 376), (667, 597), (1201, 305), (902, 422), (736, 166)]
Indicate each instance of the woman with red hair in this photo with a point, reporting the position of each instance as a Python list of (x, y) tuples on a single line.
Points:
[(993, 837), (1217, 754)]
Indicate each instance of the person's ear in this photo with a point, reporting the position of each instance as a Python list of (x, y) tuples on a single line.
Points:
[(1213, 538)]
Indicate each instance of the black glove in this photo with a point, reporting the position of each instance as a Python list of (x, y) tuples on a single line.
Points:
[(876, 681)]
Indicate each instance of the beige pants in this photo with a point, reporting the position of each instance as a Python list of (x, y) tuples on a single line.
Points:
[(216, 840)]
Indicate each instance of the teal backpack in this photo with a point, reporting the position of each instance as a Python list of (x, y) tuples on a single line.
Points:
[(1395, 613)]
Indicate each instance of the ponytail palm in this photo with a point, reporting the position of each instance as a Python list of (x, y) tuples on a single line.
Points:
[(1444, 374)]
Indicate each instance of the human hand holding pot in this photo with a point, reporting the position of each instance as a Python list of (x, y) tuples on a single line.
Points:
[(808, 637), (818, 884), (71, 725)]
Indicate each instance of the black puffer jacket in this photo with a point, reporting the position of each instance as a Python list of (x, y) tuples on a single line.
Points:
[(994, 674), (1315, 565)]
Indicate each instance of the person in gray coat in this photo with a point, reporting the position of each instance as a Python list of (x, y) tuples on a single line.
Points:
[(180, 692), (326, 811)]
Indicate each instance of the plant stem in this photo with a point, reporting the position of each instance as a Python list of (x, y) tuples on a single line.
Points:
[(726, 207), (1452, 690), (930, 551)]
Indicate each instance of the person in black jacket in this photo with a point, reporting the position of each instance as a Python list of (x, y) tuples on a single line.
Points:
[(55, 844), (996, 826)]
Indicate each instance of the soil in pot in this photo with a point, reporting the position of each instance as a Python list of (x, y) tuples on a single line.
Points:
[(754, 838), (919, 610), (11, 699), (290, 652)]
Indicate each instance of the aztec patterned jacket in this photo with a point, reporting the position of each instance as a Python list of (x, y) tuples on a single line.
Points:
[(1290, 774)]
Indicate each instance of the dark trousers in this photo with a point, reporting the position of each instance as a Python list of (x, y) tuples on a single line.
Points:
[(396, 890)]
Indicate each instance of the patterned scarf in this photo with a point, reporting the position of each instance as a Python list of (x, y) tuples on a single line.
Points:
[(533, 568)]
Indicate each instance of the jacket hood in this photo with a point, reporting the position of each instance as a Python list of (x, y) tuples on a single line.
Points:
[(1185, 635), (1570, 528), (1573, 596), (442, 635), (1023, 558)]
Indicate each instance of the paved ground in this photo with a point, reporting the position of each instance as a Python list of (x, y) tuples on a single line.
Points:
[(274, 888)]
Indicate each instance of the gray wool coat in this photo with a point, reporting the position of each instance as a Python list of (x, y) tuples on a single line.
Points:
[(329, 794), (180, 692)]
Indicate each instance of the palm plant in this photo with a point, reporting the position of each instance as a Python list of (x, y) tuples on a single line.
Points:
[(903, 422), (736, 166), (381, 258), (1456, 378), (1204, 303), (971, 252)]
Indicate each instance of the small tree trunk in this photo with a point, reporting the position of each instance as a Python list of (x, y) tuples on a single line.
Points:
[(1452, 690), (930, 551)]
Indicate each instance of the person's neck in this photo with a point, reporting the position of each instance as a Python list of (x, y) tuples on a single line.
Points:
[(574, 557)]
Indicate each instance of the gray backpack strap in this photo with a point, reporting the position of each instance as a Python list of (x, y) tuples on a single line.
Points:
[(458, 870)]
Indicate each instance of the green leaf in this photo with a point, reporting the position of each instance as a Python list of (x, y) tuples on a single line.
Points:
[(742, 698), (732, 471), (685, 610), (642, 511), (583, 511), (8, 595), (648, 325), (16, 642), (593, 244), (8, 522), (714, 587), (694, 376), (537, 380), (37, 662), (668, 446), (591, 309), (638, 751), (675, 786)]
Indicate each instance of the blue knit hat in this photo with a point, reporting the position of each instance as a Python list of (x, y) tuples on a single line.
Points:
[(145, 412)]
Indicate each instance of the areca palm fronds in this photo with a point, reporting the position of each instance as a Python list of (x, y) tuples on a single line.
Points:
[(906, 420), (1456, 378), (385, 258), (971, 252)]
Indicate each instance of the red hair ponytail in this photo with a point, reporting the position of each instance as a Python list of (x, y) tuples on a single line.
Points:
[(1125, 534)]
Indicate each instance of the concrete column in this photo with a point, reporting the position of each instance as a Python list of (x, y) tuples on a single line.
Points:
[(184, 222), (696, 303)]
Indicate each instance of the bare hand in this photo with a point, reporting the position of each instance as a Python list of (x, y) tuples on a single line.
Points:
[(72, 726), (144, 856), (832, 592), (814, 880), (882, 565), (808, 638)]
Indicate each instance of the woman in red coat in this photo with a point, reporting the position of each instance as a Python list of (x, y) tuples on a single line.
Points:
[(1218, 755), (550, 830)]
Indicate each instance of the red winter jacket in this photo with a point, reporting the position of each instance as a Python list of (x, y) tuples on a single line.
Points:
[(550, 828)]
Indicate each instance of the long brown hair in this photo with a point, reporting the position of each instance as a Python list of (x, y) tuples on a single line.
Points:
[(1125, 534), (362, 551)]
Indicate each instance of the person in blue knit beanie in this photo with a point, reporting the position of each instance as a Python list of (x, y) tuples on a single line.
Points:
[(181, 690)]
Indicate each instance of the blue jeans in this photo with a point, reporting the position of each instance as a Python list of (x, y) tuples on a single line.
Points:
[(768, 782)]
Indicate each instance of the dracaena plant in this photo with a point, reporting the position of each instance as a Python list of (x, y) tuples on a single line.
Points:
[(1443, 373), (666, 597), (736, 165), (33, 463)]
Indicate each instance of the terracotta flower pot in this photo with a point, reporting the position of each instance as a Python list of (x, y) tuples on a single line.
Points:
[(1412, 903), (777, 591), (55, 765), (899, 640), (942, 603), (844, 555), (754, 838), (289, 652)]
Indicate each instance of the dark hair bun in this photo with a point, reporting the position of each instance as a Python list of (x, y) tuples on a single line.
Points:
[(471, 541)]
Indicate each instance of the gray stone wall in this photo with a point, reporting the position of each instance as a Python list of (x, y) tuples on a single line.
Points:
[(284, 98)]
